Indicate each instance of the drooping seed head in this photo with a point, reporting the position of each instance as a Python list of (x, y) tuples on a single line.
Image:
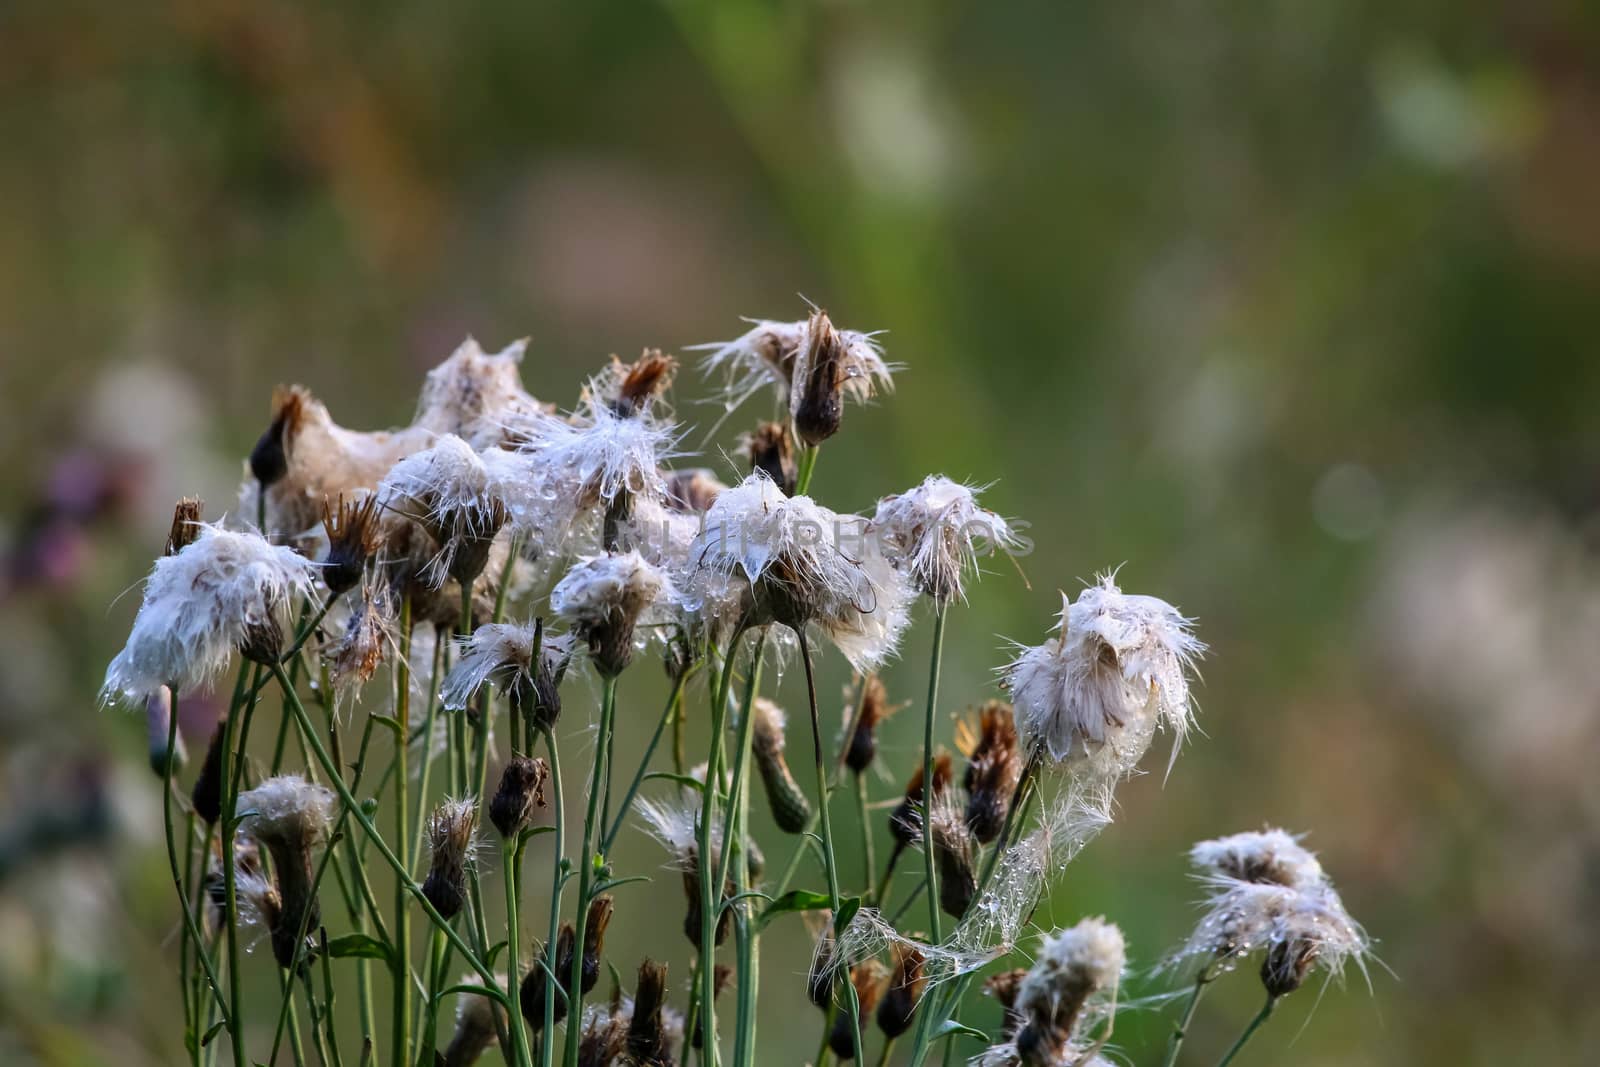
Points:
[(452, 839), (1072, 966), (502, 654), (353, 537)]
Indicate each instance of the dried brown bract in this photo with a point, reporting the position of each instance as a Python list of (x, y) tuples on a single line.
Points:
[(770, 449)]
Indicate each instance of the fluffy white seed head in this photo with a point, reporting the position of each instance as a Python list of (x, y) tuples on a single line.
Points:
[(368, 640), (474, 394), (225, 589), (936, 532), (1093, 697), (799, 563), (501, 654), (590, 463), (1270, 855), (676, 827), (766, 355), (1080, 960), (287, 812), (446, 488)]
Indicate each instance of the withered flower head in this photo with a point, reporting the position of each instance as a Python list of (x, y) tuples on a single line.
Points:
[(648, 1043), (630, 388), (905, 821), (903, 993), (502, 654), (269, 459), (875, 708), (474, 394), (207, 793), (819, 980), (186, 522), (935, 533), (531, 993), (868, 979), (594, 938), (479, 1021), (521, 791), (290, 817), (446, 489), (816, 401), (604, 1035), (603, 598), (676, 828), (791, 810), (768, 354), (772, 451), (353, 537), (368, 639), (955, 851), (1003, 988), (451, 837), (1071, 967), (994, 766)]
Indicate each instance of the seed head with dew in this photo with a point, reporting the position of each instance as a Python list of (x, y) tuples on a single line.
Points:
[(1092, 697), (676, 827), (936, 532), (502, 655), (1059, 996), (445, 490), (227, 590), (290, 817), (1265, 856), (367, 642), (604, 598), (790, 555)]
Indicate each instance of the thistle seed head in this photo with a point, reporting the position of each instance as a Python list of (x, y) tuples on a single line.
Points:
[(902, 994), (936, 532), (905, 821), (353, 538), (1071, 967), (994, 767), (452, 840), (603, 598), (479, 1020), (868, 979), (771, 451), (521, 792)]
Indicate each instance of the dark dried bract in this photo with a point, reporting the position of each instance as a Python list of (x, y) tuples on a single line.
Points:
[(875, 708), (868, 981), (207, 794), (899, 1005), (530, 995), (993, 770), (521, 792), (905, 821), (352, 539), (186, 515), (818, 404), (269, 459), (648, 1045), (771, 450)]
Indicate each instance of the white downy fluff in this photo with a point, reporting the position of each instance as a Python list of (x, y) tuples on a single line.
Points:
[(474, 394), (287, 812), (501, 654), (445, 488), (1094, 696), (935, 533), (201, 604), (765, 355), (1259, 856)]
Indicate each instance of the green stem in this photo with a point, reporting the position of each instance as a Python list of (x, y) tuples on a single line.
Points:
[(871, 864), (511, 853), (1249, 1031), (400, 1032), (710, 879), (888, 1048), (674, 703), (547, 1040), (1181, 1030), (852, 1002), (230, 802), (930, 868), (586, 865), (739, 796), (808, 467), (430, 718)]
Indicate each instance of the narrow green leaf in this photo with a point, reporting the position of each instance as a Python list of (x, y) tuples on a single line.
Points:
[(216, 1028), (793, 900), (358, 946), (952, 1026)]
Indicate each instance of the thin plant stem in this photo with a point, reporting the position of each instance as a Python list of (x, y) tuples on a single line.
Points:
[(511, 852), (870, 864), (586, 864), (230, 801), (807, 467), (673, 708), (418, 823), (853, 1004), (823, 1052), (400, 1033), (888, 1049), (547, 1040), (1181, 1030), (930, 868), (328, 1013), (711, 880), (1249, 1031), (738, 827)]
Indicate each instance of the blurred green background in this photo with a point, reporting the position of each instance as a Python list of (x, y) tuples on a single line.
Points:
[(1289, 309)]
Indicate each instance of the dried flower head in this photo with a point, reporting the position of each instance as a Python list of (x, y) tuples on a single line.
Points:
[(994, 767), (791, 810), (475, 394), (207, 793), (313, 460), (368, 640), (630, 389), (290, 817), (790, 553), (227, 590), (874, 708), (479, 1021), (1071, 967), (187, 518), (676, 827), (521, 792), (649, 1039), (955, 853), (596, 920), (771, 451), (819, 979), (868, 979), (502, 654), (353, 537), (897, 1010), (531, 993), (602, 598), (692, 490), (1003, 987), (905, 821), (452, 839), (1093, 697), (446, 489), (767, 355), (1265, 856), (936, 532)]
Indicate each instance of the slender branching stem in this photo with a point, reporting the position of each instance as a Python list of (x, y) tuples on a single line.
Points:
[(738, 827), (1181, 1030), (710, 878), (852, 1004), (547, 1039), (587, 864), (400, 1032), (1249, 1030), (930, 868), (511, 859), (869, 864)]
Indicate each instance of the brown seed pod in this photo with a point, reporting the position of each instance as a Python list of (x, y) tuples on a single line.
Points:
[(903, 993), (521, 792), (994, 766), (770, 449)]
